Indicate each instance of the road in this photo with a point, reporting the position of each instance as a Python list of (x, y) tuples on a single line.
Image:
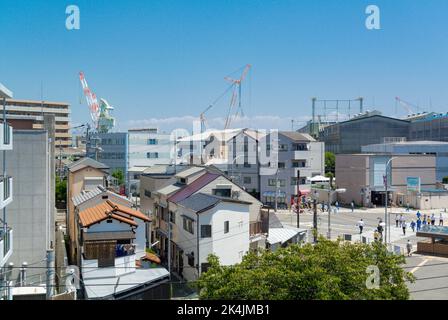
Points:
[(431, 272)]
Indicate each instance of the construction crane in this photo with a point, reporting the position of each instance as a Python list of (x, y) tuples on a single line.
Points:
[(406, 105), (92, 101), (100, 113), (236, 85)]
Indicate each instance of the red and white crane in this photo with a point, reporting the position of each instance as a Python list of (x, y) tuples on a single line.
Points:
[(92, 101), (236, 83)]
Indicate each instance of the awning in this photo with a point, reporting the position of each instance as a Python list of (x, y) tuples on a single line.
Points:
[(280, 194), (281, 235), (111, 235)]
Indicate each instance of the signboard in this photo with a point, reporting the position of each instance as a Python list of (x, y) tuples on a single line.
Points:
[(413, 184)]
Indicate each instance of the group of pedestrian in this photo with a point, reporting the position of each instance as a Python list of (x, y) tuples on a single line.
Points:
[(400, 221)]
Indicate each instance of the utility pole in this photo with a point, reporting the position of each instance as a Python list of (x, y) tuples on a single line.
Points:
[(50, 273), (315, 219), (276, 190), (298, 199), (329, 208), (169, 244)]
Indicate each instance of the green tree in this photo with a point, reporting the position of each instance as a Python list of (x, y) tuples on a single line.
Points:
[(119, 175), (330, 162), (61, 192), (329, 270), (445, 180)]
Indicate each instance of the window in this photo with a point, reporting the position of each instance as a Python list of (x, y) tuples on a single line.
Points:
[(247, 165), (188, 225), (152, 155), (247, 180), (204, 267), (300, 147), (281, 165), (226, 226), (299, 164), (172, 217), (282, 147), (206, 231), (147, 193), (222, 192), (152, 141), (273, 182)]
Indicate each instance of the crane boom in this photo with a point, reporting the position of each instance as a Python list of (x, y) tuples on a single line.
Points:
[(92, 101), (405, 105)]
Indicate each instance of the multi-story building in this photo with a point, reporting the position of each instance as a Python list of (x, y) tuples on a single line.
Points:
[(437, 148), (296, 152), (363, 176), (111, 149), (147, 148), (6, 195), (36, 110), (369, 128)]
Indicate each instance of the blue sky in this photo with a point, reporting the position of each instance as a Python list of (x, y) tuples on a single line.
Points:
[(163, 62)]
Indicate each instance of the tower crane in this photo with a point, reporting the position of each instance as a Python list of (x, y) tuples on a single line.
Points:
[(92, 101), (236, 84), (406, 105)]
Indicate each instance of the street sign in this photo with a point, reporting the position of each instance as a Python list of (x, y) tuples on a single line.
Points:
[(413, 184)]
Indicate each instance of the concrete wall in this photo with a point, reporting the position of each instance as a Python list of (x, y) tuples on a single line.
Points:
[(32, 212), (114, 152), (352, 173)]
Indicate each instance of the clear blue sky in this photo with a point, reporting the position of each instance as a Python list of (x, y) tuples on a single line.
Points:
[(161, 60)]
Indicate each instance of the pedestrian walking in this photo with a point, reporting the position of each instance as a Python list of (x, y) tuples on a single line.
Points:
[(409, 247), (424, 221), (424, 217), (404, 225), (418, 214), (407, 206), (397, 219), (361, 226), (337, 206), (380, 228), (433, 219), (441, 219), (401, 220), (413, 225), (353, 206), (419, 224)]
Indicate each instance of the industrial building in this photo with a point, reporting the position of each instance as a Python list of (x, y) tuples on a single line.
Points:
[(437, 148), (368, 128), (35, 112), (363, 177)]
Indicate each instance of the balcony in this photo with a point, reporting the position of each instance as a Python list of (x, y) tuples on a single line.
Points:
[(5, 137), (5, 245), (5, 191), (301, 154)]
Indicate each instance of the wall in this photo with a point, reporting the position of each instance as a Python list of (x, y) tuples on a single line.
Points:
[(32, 211), (138, 148), (114, 152), (352, 173)]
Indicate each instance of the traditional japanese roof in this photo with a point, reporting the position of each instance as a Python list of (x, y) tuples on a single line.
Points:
[(86, 162), (110, 210)]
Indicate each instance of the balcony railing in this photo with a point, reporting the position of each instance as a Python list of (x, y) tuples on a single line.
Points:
[(5, 191), (5, 245), (5, 137)]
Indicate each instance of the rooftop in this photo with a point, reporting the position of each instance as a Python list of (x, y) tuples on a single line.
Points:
[(5, 92), (85, 196), (201, 202), (86, 162), (107, 210), (189, 172), (193, 187), (297, 136)]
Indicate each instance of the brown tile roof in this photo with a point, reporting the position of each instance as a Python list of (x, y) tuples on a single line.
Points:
[(109, 209)]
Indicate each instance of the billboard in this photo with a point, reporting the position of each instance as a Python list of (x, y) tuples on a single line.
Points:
[(413, 184)]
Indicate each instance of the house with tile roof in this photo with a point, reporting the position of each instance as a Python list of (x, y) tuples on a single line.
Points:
[(84, 175), (112, 240)]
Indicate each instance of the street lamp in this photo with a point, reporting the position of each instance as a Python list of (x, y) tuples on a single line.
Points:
[(386, 201)]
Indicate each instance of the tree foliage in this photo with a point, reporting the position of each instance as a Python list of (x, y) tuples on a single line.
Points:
[(327, 270), (445, 180), (61, 191), (330, 162), (119, 175)]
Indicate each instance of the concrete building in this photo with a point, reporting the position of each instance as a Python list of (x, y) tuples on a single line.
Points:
[(296, 151), (84, 175), (36, 110), (32, 213), (362, 175), (110, 149), (148, 147), (348, 137), (6, 196), (432, 127), (437, 148)]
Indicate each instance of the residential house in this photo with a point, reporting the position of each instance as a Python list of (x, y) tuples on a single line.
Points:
[(84, 175)]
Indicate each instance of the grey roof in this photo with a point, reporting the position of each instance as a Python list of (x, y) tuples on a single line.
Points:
[(5, 92), (274, 221), (297, 136), (86, 196), (190, 171), (86, 162), (201, 202), (168, 189)]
